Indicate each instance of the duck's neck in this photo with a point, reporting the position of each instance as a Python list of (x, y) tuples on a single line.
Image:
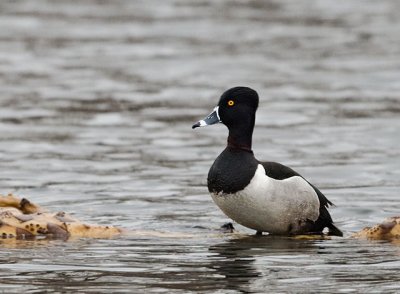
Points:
[(240, 136)]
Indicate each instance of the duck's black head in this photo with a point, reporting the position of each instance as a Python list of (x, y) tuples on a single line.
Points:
[(237, 110), (237, 106)]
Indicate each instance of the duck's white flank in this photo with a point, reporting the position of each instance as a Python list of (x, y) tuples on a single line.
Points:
[(269, 205)]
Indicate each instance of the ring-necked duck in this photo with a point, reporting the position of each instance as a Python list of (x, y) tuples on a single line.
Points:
[(264, 196)]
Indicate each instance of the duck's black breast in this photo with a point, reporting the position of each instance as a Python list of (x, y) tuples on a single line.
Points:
[(232, 171)]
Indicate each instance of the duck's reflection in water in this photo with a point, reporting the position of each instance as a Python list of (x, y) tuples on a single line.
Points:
[(235, 259)]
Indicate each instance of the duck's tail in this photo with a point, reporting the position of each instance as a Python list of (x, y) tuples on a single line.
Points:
[(334, 231)]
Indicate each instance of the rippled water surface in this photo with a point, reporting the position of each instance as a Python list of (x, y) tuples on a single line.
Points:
[(97, 99)]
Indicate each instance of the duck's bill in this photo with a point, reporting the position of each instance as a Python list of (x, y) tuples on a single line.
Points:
[(212, 118)]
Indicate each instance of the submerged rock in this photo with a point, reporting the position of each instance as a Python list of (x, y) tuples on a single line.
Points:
[(389, 229), (22, 219)]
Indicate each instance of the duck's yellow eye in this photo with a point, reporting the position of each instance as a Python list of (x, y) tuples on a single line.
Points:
[(231, 103)]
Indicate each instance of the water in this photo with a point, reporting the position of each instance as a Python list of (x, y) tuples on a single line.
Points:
[(97, 100)]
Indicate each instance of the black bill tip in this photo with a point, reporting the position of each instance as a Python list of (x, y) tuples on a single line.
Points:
[(196, 125)]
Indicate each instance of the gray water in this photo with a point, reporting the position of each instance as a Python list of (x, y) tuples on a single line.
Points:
[(97, 99)]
